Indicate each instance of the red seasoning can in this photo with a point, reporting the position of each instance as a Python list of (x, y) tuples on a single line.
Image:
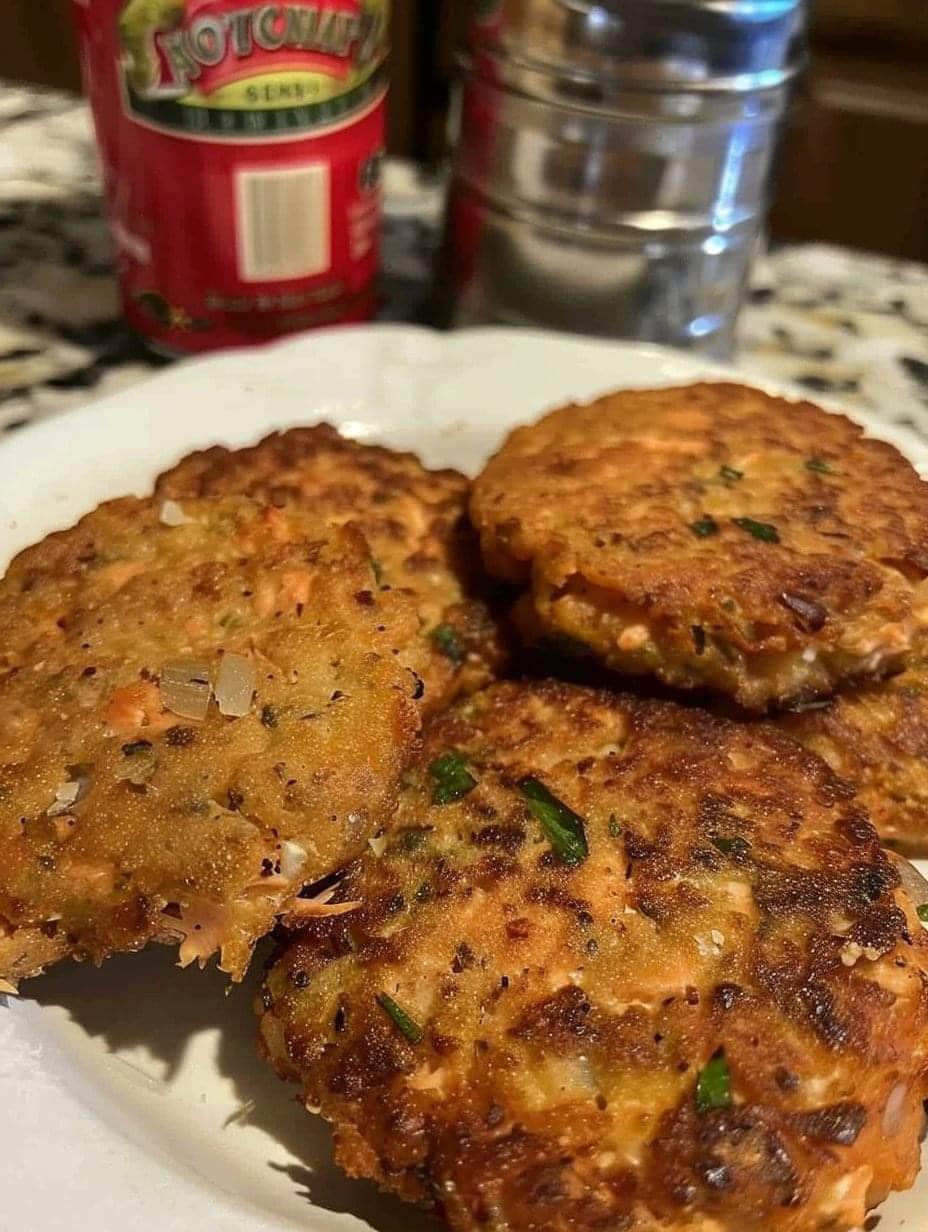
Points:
[(241, 147)]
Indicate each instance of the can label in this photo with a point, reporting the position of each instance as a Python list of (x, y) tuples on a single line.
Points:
[(241, 148)]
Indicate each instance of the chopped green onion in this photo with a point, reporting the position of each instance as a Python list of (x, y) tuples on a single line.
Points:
[(452, 778), (758, 530), (731, 846), (413, 839), (448, 642), (729, 472), (705, 527), (405, 1024), (923, 912), (615, 828), (820, 466), (564, 829), (713, 1086)]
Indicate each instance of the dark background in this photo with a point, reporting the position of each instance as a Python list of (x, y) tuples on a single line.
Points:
[(854, 167)]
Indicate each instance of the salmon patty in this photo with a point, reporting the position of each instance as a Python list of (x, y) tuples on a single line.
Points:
[(414, 519), (199, 714), (615, 965), (877, 736), (712, 535)]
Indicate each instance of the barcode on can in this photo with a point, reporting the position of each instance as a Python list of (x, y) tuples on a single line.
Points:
[(284, 225)]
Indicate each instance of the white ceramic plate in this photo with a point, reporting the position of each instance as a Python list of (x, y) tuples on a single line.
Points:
[(131, 1097)]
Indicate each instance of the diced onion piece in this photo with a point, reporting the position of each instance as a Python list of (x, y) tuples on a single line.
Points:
[(185, 688), (894, 1112), (173, 514), (235, 685), (378, 844), (425, 1079), (292, 859), (913, 882), (66, 797), (70, 792)]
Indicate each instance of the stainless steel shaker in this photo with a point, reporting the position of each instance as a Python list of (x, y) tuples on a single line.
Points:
[(612, 161)]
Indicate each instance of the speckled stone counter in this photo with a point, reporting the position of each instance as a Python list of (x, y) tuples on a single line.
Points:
[(835, 322)]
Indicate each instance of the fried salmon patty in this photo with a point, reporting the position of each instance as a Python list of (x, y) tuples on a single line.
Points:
[(712, 535), (195, 720), (414, 519), (877, 737), (618, 965)]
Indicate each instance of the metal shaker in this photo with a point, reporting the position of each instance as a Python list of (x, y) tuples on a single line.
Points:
[(612, 161)]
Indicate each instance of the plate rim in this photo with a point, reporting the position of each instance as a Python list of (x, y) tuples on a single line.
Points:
[(736, 370)]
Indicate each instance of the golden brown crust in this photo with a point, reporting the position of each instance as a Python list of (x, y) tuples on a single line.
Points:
[(414, 519), (560, 1017), (877, 737), (712, 535), (123, 821)]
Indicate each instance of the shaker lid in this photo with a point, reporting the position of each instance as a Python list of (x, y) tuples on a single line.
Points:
[(621, 45)]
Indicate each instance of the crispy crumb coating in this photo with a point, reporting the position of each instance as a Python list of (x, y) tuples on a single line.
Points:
[(125, 815), (877, 736), (414, 519), (713, 535), (618, 966)]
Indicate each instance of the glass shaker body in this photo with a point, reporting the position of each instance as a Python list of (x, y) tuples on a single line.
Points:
[(612, 164)]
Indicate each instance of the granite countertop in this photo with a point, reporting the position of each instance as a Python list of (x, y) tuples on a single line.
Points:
[(836, 322)]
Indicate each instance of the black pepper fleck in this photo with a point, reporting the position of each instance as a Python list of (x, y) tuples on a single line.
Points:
[(181, 737)]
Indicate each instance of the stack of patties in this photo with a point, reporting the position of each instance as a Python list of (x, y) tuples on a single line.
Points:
[(620, 963), (549, 956), (721, 539), (877, 737)]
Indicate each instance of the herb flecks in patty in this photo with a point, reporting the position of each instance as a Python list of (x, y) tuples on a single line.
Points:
[(452, 778), (731, 846), (713, 1086), (764, 531), (563, 828), (447, 641), (404, 1022), (704, 527)]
